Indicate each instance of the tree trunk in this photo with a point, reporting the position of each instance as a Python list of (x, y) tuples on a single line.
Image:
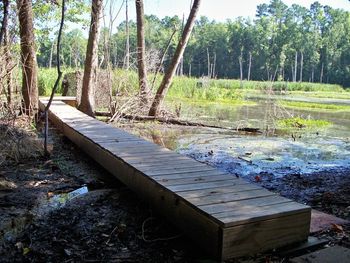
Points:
[(141, 53), (6, 4), (127, 44), (295, 66), (87, 102), (4, 38), (28, 57), (268, 71), (312, 74), (51, 53), (8, 69), (167, 79), (240, 60), (321, 74), (208, 57), (249, 66), (214, 66), (301, 66), (160, 64)]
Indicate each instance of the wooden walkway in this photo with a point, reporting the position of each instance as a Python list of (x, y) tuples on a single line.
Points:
[(225, 215)]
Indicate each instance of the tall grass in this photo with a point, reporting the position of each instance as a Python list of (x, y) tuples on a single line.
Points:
[(192, 88), (47, 78)]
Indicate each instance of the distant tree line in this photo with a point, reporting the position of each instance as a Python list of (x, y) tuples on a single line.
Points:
[(289, 43)]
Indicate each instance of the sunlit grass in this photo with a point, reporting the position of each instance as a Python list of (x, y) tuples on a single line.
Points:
[(326, 95), (314, 106)]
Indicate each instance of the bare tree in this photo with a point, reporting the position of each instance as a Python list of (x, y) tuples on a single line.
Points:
[(141, 52), (28, 56), (168, 77), (87, 104)]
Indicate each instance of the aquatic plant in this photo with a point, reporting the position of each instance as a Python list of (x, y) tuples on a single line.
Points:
[(314, 106), (301, 123)]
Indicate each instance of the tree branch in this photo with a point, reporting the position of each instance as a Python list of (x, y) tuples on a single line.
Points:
[(59, 72)]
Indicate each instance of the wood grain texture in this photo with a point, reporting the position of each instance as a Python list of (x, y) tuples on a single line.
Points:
[(260, 236)]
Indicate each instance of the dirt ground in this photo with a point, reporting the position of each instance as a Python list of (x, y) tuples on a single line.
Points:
[(109, 223)]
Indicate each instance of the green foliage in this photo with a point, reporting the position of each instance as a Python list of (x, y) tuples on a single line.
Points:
[(124, 82), (46, 80), (291, 45), (314, 106), (301, 123), (194, 89)]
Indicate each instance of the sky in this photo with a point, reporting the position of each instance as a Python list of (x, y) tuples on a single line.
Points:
[(219, 10)]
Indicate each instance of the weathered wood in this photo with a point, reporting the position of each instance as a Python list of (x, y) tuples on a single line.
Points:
[(200, 186), (175, 170), (160, 165), (239, 187), (264, 235), (162, 159), (205, 179), (258, 213), (187, 175), (217, 203), (225, 215)]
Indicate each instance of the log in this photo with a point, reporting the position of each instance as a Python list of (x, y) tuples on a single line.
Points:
[(177, 122)]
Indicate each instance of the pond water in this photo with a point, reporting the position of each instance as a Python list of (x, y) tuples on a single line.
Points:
[(274, 151)]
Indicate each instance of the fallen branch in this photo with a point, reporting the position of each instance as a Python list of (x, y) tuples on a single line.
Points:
[(176, 122)]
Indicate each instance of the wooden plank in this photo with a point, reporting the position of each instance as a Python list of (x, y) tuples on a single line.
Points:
[(187, 175), (205, 179), (250, 213), (125, 144), (164, 165), (260, 236), (200, 186), (138, 155), (236, 205), (173, 170), (141, 157), (223, 202), (157, 159), (240, 186), (150, 149), (108, 139)]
